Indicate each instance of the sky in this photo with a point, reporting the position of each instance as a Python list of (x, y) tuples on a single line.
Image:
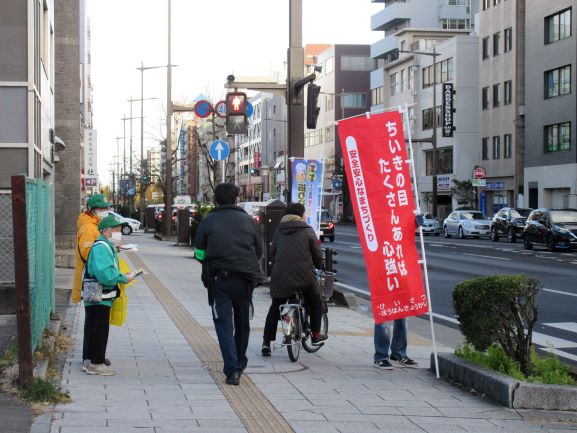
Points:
[(210, 40)]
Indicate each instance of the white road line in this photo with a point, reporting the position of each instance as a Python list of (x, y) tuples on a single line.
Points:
[(560, 292), (352, 289), (565, 326), (479, 255), (554, 342), (560, 353)]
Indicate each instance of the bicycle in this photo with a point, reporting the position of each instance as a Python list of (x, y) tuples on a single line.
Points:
[(295, 319)]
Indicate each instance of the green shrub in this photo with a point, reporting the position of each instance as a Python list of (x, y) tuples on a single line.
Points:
[(499, 309), (42, 391), (546, 370)]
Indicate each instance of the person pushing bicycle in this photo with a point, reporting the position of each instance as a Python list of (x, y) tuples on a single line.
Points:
[(295, 254)]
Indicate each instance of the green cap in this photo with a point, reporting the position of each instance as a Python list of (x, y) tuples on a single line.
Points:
[(97, 201), (110, 221)]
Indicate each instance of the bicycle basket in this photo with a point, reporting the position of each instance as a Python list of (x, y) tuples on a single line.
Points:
[(326, 283)]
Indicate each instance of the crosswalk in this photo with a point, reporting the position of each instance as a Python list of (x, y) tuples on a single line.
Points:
[(556, 345)]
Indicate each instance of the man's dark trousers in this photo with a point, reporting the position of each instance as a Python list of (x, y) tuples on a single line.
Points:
[(232, 297)]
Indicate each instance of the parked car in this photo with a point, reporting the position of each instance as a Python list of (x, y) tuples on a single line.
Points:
[(465, 223), (431, 225), (327, 226), (509, 222), (133, 225), (551, 228), (252, 208)]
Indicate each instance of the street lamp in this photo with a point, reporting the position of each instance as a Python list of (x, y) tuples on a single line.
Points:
[(433, 139)]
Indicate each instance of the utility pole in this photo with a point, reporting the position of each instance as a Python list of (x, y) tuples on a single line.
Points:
[(435, 193), (296, 67), (168, 195)]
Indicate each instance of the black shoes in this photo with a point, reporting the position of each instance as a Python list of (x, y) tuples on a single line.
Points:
[(318, 340), (265, 351), (233, 378)]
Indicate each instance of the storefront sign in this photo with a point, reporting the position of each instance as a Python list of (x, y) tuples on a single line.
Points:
[(378, 175), (448, 125), (444, 182), (495, 185), (90, 161)]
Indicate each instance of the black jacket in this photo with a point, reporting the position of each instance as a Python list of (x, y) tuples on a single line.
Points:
[(232, 243), (295, 252)]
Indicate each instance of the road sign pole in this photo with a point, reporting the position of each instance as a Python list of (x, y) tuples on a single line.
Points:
[(223, 171)]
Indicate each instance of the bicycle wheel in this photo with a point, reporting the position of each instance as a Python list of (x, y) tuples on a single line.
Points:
[(307, 344), (294, 348)]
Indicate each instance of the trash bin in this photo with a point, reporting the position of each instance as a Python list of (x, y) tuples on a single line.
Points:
[(270, 216), (149, 218), (183, 227)]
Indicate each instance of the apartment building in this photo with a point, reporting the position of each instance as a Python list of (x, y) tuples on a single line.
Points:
[(550, 165)]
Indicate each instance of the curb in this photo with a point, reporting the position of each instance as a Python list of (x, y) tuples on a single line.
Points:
[(509, 392)]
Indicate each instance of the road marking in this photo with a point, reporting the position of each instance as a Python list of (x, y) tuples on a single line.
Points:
[(479, 255), (447, 318), (352, 289), (565, 326), (554, 342), (560, 292), (560, 353)]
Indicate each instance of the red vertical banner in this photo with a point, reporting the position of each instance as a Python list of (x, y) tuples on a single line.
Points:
[(379, 180)]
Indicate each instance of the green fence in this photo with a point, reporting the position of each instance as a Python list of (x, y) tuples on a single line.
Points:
[(41, 250)]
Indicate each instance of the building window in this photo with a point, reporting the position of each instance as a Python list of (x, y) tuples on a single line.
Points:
[(558, 137), (329, 133), (411, 80), (486, 4), (354, 100), (330, 102), (558, 82), (455, 23), (459, 2), (508, 92), (403, 84), (444, 73), (357, 63), (395, 84), (507, 148), (485, 48), (508, 39), (496, 2), (495, 95), (444, 161), (377, 96), (485, 148), (496, 147), (428, 118), (496, 41), (558, 26), (485, 98)]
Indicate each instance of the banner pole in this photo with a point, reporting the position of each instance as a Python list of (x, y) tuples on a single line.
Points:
[(321, 185), (405, 110)]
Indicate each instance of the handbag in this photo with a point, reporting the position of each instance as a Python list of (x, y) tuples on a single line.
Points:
[(91, 287), (119, 309)]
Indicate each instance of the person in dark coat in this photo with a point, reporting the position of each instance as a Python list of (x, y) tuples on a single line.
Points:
[(228, 241), (295, 253)]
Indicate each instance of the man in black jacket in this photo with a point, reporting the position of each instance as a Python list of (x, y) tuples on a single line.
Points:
[(295, 253), (228, 240)]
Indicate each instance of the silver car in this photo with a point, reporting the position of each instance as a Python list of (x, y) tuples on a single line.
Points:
[(467, 223), (431, 225)]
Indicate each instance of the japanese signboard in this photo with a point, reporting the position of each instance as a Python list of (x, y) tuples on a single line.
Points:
[(448, 125), (378, 175), (307, 188), (90, 161)]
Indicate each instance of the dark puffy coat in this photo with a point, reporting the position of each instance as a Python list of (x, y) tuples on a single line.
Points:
[(295, 252), (232, 242)]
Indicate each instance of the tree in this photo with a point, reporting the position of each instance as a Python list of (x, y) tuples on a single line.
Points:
[(465, 194)]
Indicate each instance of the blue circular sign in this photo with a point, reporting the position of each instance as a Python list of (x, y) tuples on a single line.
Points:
[(249, 109), (219, 150), (203, 108)]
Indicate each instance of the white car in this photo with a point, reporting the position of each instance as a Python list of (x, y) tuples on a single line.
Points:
[(133, 225), (467, 223)]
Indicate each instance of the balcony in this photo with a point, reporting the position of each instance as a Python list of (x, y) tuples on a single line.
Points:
[(455, 12), (392, 15), (382, 48)]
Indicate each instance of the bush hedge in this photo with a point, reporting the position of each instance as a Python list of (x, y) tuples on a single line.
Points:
[(499, 309)]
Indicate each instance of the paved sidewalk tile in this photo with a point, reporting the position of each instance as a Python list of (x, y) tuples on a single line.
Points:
[(161, 385)]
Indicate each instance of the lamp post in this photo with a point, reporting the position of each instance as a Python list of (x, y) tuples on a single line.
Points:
[(168, 195), (433, 139)]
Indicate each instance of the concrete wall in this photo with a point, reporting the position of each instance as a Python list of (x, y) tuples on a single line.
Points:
[(67, 179)]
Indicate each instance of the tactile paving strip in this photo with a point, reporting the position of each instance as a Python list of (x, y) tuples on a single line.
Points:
[(253, 409)]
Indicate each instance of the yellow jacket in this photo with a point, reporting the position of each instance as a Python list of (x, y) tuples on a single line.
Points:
[(87, 226)]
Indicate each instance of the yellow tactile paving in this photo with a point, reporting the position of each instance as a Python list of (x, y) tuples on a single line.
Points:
[(253, 409)]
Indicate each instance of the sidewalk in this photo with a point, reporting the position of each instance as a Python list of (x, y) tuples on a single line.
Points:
[(169, 373)]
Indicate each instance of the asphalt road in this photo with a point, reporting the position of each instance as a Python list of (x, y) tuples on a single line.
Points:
[(450, 261)]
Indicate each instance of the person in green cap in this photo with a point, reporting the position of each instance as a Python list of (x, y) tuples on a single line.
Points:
[(102, 264)]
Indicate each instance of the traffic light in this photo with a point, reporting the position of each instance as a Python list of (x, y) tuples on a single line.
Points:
[(255, 172), (236, 119), (313, 92)]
